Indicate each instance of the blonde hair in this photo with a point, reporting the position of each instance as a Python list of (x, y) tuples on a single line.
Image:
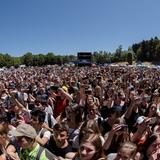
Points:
[(129, 146)]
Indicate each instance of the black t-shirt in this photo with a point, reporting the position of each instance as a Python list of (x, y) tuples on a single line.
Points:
[(52, 147), (132, 120), (106, 127)]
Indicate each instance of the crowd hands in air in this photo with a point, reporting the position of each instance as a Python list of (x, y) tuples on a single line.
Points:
[(86, 113)]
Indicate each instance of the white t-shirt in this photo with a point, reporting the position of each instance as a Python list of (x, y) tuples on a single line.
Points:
[(53, 120), (46, 134)]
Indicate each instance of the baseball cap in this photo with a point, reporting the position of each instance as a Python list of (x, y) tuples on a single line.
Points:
[(117, 108), (140, 119), (25, 130)]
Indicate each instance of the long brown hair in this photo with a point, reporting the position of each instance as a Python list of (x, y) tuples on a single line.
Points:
[(95, 140), (88, 127)]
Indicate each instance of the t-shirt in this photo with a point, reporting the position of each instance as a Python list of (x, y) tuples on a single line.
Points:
[(44, 133), (61, 104), (50, 120), (49, 109), (34, 152), (111, 156), (106, 127), (97, 119), (31, 154), (52, 147)]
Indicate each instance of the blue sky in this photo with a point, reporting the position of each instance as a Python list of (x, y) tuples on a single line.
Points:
[(70, 26)]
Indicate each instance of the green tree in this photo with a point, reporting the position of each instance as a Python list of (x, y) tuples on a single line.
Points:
[(2, 61), (16, 61), (59, 60), (27, 59), (50, 58), (41, 59), (7, 60), (129, 58), (66, 59), (118, 53)]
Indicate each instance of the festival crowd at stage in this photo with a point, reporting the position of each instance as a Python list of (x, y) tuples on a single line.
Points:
[(80, 113)]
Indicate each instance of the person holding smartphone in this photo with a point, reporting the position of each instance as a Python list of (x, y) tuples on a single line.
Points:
[(117, 135)]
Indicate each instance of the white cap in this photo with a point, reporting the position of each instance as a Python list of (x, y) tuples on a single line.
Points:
[(140, 119)]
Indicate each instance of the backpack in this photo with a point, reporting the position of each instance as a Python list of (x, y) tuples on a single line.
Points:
[(48, 154), (49, 120), (42, 132)]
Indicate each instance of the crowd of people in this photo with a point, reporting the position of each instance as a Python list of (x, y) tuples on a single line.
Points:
[(80, 113)]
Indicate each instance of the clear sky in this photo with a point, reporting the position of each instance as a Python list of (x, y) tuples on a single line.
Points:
[(70, 26)]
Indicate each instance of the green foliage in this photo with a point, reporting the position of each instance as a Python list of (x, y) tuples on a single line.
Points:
[(101, 57), (147, 50), (118, 54), (129, 58), (27, 59), (50, 58)]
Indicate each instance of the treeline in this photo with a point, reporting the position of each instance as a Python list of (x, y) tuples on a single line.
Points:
[(30, 59), (147, 50)]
